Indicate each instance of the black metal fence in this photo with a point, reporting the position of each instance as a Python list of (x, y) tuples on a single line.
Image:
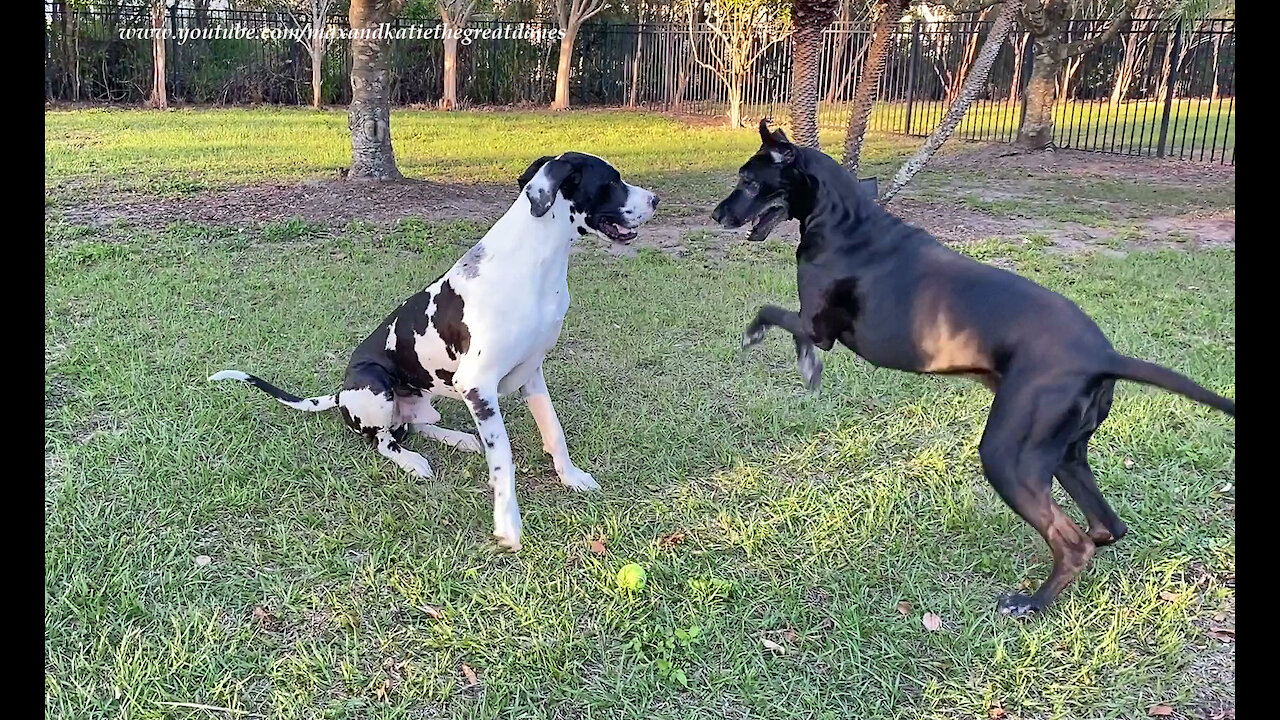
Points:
[(1160, 87)]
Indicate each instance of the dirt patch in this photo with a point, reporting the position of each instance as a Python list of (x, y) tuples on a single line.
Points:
[(329, 202), (1089, 165), (1114, 225)]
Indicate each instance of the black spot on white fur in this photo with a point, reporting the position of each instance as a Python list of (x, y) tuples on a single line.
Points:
[(449, 323)]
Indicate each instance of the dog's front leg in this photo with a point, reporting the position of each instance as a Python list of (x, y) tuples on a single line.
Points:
[(806, 353), (535, 392), (482, 401)]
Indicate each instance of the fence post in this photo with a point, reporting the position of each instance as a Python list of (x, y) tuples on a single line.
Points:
[(1168, 90), (912, 71)]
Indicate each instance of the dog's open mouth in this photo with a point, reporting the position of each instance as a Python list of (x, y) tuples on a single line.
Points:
[(766, 221), (616, 231)]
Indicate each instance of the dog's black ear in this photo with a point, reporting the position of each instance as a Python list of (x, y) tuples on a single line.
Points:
[(870, 187), (532, 170), (541, 187), (776, 143)]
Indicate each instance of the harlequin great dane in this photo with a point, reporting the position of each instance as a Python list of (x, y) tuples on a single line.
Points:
[(897, 297), (481, 330)]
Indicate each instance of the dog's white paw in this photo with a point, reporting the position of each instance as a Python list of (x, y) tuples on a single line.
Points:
[(578, 480), (507, 526), (752, 337), (414, 463), (470, 443)]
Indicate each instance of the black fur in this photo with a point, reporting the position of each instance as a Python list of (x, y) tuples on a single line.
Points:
[(900, 299)]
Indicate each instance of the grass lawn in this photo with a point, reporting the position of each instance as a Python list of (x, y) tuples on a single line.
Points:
[(340, 587)]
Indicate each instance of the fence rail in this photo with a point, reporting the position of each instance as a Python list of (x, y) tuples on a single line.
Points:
[(1160, 87)]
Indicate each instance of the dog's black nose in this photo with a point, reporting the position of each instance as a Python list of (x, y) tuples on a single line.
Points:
[(653, 202), (718, 213)]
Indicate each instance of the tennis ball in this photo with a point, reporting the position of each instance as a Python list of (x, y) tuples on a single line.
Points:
[(631, 577)]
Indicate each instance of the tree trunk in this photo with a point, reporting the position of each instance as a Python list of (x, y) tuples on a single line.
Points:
[(450, 99), (1124, 71), (864, 95), (735, 101), (1036, 131), (159, 99), (811, 19), (562, 70), (317, 69), (1070, 66), (974, 84), (369, 117), (635, 66)]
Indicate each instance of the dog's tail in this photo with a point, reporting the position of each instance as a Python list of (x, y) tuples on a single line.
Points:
[(312, 404), (1122, 366)]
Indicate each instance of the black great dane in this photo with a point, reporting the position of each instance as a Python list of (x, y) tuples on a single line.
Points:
[(898, 298)]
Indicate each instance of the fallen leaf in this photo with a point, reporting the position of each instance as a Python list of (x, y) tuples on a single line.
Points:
[(597, 546), (1128, 462), (1225, 633), (1160, 711), (995, 712), (1168, 596), (773, 646), (470, 674), (433, 613), (262, 615), (904, 608), (384, 690), (672, 540), (203, 560), (790, 635), (931, 621)]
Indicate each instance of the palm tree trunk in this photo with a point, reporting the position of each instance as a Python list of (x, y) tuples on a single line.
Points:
[(369, 116), (974, 84), (811, 19), (864, 96)]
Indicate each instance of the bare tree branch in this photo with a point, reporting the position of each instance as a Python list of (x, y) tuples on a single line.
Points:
[(1082, 46)]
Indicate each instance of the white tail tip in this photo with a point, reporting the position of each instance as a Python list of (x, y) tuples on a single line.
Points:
[(229, 375)]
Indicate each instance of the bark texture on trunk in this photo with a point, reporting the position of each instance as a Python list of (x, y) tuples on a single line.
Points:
[(317, 80), (159, 98), (811, 20), (369, 116), (1036, 132), (864, 95), (449, 100), (974, 84), (562, 69)]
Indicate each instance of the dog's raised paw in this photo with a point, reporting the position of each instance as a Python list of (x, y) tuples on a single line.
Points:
[(752, 337)]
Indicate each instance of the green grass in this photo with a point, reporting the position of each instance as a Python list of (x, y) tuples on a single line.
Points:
[(191, 150), (816, 515)]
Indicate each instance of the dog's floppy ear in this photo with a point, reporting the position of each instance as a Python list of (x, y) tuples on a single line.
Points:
[(776, 142), (532, 170), (543, 181)]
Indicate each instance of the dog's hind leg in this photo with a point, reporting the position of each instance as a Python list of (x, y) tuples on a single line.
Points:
[(1076, 477), (368, 406), (806, 352), (1024, 441), (417, 412)]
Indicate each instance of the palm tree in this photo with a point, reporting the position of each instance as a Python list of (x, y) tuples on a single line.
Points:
[(369, 116), (811, 18), (974, 83), (864, 95)]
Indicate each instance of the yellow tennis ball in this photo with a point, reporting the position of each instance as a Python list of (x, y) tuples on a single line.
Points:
[(631, 577)]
